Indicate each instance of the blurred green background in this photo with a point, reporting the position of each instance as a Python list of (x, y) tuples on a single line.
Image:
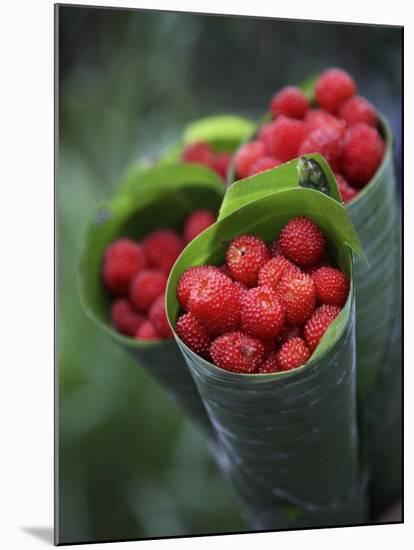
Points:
[(130, 465)]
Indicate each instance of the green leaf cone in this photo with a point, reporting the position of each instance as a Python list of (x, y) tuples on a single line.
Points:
[(290, 439), (158, 197)]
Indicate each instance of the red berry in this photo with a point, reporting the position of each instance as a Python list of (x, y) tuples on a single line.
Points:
[(292, 331), (196, 223), (272, 272), (270, 365), (290, 101), (146, 287), (245, 256), (262, 164), (331, 286), (199, 153), (262, 315), (327, 142), (158, 317), (293, 354), (318, 118), (215, 301), (358, 109), (194, 334), (363, 152), (302, 242), (316, 326), (123, 260), (187, 280), (346, 191), (297, 295), (275, 249), (237, 352), (333, 87), (221, 164), (322, 263), (147, 332), (125, 318), (283, 138), (162, 248), (247, 155)]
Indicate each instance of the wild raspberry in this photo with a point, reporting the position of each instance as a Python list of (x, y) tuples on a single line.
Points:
[(302, 242), (272, 272), (125, 318), (363, 152), (147, 332), (297, 295), (319, 118), (346, 191), (162, 248), (331, 285), (196, 223), (293, 354), (322, 263), (123, 260), (275, 249), (283, 138), (316, 326), (215, 301), (199, 153), (194, 334), (325, 141), (158, 317), (237, 352), (187, 280), (146, 287), (262, 315), (247, 155), (290, 101), (222, 163), (333, 87), (358, 109), (270, 365), (245, 256), (290, 331), (264, 163)]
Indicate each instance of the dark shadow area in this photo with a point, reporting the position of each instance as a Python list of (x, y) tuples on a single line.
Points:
[(42, 533)]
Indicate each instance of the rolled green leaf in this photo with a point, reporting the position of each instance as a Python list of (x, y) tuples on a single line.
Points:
[(290, 439), (159, 197)]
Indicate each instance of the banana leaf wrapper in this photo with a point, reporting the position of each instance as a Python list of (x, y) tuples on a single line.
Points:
[(161, 196), (291, 439)]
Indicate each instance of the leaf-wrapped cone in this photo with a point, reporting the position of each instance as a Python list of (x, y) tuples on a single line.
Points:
[(290, 439), (161, 196)]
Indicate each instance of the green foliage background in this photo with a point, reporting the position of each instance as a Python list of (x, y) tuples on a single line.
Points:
[(130, 465)]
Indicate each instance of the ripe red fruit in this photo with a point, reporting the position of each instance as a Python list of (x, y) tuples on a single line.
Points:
[(187, 280), (290, 101), (237, 352), (270, 365), (275, 249), (319, 118), (146, 287), (333, 87), (262, 164), (331, 286), (162, 248), (199, 153), (123, 260), (327, 142), (283, 138), (245, 256), (322, 263), (296, 292), (316, 326), (290, 331), (247, 155), (358, 109), (196, 223), (346, 191), (147, 332), (272, 272), (362, 154), (293, 354), (158, 317), (125, 318), (262, 315), (194, 334), (215, 300), (302, 242), (221, 164)]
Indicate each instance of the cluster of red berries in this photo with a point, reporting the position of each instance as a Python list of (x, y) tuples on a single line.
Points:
[(343, 129), (200, 152), (267, 307), (136, 274)]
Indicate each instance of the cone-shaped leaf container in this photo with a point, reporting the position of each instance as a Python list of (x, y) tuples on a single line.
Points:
[(162, 196), (290, 438)]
